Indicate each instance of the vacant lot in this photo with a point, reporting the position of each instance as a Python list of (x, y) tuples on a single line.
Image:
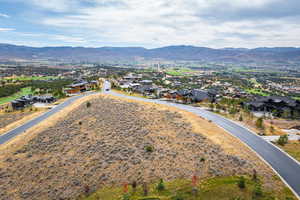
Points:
[(109, 141), (293, 149), (12, 120)]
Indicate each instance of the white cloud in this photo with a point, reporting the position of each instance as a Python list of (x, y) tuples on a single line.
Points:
[(167, 22), (4, 15), (6, 29), (55, 5)]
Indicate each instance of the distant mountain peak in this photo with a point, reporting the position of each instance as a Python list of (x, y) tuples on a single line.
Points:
[(174, 52)]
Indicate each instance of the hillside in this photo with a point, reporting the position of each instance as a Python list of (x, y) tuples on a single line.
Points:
[(67, 54), (109, 141)]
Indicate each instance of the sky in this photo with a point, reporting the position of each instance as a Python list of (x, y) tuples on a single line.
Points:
[(151, 23)]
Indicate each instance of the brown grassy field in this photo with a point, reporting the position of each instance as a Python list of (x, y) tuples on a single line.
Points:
[(292, 148), (12, 120), (115, 140)]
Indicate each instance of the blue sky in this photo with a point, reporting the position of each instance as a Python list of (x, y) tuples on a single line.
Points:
[(150, 23)]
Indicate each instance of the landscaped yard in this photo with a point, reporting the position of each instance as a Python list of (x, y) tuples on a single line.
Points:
[(257, 92), (24, 91), (211, 189)]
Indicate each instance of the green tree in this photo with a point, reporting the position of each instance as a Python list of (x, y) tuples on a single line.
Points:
[(211, 106), (272, 129), (161, 185), (283, 139), (260, 123), (242, 182), (257, 192), (241, 118)]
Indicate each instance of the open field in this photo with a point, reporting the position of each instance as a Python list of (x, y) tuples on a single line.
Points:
[(110, 140), (29, 78), (221, 188), (129, 93), (23, 92), (179, 72)]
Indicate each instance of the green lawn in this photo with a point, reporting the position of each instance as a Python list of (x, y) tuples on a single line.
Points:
[(257, 92), (178, 72), (221, 188), (23, 92), (28, 78), (296, 98)]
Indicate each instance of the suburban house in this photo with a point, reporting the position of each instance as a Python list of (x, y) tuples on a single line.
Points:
[(76, 88), (278, 105), (29, 100), (192, 96), (80, 86)]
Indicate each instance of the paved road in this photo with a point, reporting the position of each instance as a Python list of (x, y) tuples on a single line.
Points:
[(21, 129), (286, 167)]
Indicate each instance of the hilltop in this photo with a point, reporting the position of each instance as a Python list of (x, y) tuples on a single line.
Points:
[(103, 140)]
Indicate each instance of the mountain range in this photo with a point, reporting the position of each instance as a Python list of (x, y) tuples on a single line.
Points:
[(10, 52)]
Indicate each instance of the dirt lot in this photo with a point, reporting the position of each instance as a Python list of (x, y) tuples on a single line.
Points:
[(114, 141), (286, 124)]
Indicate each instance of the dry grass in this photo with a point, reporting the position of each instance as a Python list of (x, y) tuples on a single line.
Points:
[(293, 149), (249, 122), (23, 139), (17, 119), (105, 144), (285, 124)]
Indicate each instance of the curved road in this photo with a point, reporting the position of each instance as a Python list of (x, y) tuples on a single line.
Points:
[(286, 167)]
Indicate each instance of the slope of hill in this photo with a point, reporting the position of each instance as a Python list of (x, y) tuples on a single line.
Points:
[(13, 52), (114, 141)]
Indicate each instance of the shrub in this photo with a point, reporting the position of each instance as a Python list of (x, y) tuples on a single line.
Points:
[(149, 149), (177, 197), (86, 189), (237, 198), (241, 118), (254, 176), (242, 182), (211, 106), (134, 185), (126, 197), (88, 104), (260, 123), (160, 186), (257, 190), (202, 159), (145, 189), (272, 129), (283, 139), (289, 198), (80, 123)]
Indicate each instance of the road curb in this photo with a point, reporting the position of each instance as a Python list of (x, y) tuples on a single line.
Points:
[(200, 109)]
